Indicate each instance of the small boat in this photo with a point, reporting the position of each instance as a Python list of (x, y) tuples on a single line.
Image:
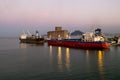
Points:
[(92, 40), (33, 39)]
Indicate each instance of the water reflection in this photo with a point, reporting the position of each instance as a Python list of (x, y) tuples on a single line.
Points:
[(51, 57), (26, 45), (68, 59), (24, 56), (50, 47), (50, 50), (23, 45), (60, 59), (100, 64), (87, 57)]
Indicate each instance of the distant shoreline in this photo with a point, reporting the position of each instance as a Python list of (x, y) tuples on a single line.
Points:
[(9, 37)]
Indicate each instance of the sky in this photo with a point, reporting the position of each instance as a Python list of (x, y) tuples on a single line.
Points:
[(44, 15)]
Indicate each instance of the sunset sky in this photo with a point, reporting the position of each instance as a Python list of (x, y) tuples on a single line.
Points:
[(44, 15)]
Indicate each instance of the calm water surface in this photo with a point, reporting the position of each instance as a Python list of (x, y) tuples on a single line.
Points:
[(43, 62)]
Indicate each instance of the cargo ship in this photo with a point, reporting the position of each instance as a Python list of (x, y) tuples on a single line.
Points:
[(33, 39), (89, 40)]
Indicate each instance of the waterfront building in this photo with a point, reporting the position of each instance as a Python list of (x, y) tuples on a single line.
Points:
[(58, 33)]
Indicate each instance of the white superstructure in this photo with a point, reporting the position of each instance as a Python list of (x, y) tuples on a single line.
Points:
[(94, 36), (118, 41), (23, 36)]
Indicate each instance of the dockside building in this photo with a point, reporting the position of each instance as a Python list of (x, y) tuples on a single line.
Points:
[(58, 33)]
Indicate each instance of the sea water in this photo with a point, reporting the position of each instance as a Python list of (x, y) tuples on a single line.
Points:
[(21, 61)]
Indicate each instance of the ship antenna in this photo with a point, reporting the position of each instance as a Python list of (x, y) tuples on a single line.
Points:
[(92, 28), (29, 33), (23, 32)]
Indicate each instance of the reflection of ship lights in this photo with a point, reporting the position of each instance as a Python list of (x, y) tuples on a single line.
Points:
[(67, 51), (23, 45), (59, 50), (87, 55), (50, 49), (100, 58), (60, 58), (87, 58), (100, 63), (68, 59)]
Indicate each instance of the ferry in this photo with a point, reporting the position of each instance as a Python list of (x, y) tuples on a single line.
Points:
[(33, 39), (89, 40)]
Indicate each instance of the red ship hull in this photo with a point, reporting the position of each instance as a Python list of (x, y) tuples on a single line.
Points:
[(79, 44)]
